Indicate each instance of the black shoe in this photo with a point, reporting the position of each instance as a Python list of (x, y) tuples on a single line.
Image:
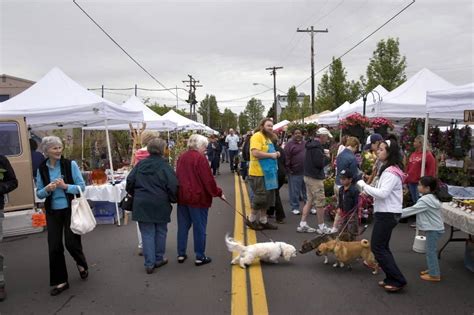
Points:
[(161, 263), (83, 274), (255, 225), (150, 270), (182, 258), (268, 226), (58, 290), (202, 261), (3, 294)]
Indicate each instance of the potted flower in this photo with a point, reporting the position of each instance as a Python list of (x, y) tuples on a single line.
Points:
[(381, 125), (355, 125)]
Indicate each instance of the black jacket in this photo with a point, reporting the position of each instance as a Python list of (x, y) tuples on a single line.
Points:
[(348, 200), (281, 166), (214, 151), (8, 181), (315, 160)]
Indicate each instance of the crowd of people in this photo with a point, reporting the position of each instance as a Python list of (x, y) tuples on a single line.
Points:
[(266, 162)]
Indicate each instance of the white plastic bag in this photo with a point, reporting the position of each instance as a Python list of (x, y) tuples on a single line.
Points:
[(82, 218)]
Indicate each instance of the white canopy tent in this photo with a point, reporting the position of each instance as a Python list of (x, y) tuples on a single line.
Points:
[(333, 117), (280, 125), (409, 99), (370, 104), (56, 101), (183, 122), (446, 105), (153, 120)]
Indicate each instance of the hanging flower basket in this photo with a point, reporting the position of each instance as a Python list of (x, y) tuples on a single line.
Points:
[(355, 119), (381, 125)]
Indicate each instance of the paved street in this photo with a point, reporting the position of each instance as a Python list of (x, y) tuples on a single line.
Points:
[(118, 283)]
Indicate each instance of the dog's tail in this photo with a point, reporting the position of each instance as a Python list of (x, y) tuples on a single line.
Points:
[(365, 243), (233, 245)]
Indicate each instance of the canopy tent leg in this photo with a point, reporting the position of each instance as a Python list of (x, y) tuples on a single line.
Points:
[(111, 167), (82, 149), (169, 151), (425, 145)]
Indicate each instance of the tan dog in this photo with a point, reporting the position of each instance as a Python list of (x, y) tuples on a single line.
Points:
[(346, 252)]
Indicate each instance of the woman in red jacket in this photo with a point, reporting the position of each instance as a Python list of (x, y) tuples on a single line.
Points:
[(413, 168), (197, 187)]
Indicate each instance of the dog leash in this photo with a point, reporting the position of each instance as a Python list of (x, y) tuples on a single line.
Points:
[(245, 219)]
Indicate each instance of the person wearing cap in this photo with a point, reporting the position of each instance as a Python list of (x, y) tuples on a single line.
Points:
[(316, 159), (346, 215)]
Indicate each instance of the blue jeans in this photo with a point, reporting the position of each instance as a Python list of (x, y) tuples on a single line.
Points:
[(225, 154), (384, 223), (415, 195), (197, 217), (154, 242), (297, 189), (432, 238)]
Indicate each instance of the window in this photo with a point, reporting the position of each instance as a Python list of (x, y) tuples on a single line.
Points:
[(4, 97), (10, 143)]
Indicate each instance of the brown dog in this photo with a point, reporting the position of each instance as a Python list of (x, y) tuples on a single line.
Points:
[(346, 252)]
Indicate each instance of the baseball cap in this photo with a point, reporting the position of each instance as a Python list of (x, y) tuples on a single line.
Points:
[(373, 139), (345, 174), (324, 131)]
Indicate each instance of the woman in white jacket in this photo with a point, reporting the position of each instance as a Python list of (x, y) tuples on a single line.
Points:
[(388, 197)]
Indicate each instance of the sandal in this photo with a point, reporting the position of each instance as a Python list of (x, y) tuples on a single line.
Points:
[(381, 283), (182, 258), (424, 272), (392, 288)]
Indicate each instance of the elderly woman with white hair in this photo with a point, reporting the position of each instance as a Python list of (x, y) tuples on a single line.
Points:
[(197, 187), (58, 180)]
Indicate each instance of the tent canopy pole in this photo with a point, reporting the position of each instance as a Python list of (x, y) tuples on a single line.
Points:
[(425, 145), (111, 167)]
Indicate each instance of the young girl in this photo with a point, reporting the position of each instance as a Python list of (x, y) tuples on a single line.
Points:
[(428, 219)]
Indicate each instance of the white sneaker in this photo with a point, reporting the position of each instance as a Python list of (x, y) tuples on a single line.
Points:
[(305, 229), (333, 230), (323, 230), (313, 211), (296, 211)]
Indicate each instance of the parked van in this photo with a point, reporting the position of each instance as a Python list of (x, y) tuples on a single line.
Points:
[(20, 203)]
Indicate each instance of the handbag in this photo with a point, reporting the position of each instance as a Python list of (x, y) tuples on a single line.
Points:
[(127, 203), (82, 218)]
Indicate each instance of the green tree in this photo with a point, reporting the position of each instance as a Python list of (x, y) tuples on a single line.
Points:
[(254, 111), (210, 102), (243, 123), (355, 90), (228, 120), (162, 109), (271, 112), (293, 109), (386, 67), (324, 98), (306, 107)]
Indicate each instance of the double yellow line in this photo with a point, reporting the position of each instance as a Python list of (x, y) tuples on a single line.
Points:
[(240, 295)]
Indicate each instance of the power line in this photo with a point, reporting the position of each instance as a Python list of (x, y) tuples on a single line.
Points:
[(244, 97), (361, 41), (118, 45)]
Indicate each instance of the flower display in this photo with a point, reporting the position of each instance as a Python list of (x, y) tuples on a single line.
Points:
[(355, 119), (381, 122)]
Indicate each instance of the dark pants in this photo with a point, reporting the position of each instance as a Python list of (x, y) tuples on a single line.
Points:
[(58, 222), (197, 217), (232, 154), (215, 163), (384, 222), (278, 208)]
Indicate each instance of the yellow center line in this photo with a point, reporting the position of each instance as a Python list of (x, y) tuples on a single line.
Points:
[(239, 304), (257, 286)]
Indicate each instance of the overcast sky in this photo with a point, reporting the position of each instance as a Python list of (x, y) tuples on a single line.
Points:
[(227, 44)]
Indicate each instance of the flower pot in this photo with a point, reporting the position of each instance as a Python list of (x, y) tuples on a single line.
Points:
[(382, 130)]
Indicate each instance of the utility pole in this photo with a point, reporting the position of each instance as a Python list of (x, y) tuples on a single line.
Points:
[(176, 108), (192, 95), (136, 90), (273, 73), (312, 31)]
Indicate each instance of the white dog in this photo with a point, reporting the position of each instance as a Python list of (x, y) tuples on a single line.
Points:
[(269, 251)]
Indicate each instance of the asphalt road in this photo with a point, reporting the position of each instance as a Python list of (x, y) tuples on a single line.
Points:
[(118, 283)]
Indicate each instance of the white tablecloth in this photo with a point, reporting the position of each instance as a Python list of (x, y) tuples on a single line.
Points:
[(106, 192), (457, 218)]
